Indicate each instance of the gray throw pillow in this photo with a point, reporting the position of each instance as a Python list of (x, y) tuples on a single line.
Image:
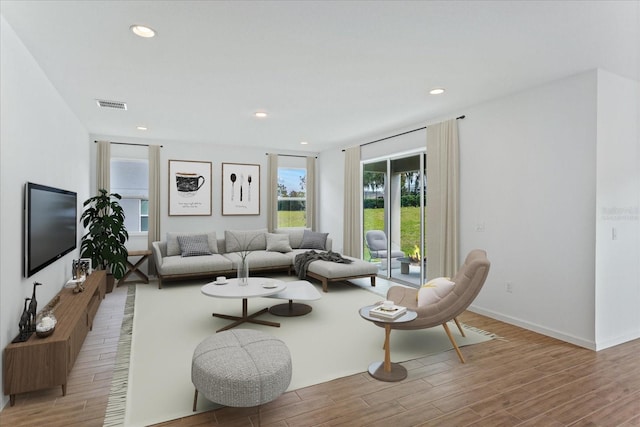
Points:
[(278, 243), (173, 247), (314, 240), (194, 245)]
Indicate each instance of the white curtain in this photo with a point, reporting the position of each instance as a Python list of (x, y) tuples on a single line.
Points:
[(272, 192), (311, 192), (442, 199), (352, 212), (154, 200), (103, 166)]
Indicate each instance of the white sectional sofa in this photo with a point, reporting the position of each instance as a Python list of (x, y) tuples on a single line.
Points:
[(195, 255)]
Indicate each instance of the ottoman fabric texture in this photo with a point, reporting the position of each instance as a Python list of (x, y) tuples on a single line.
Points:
[(241, 368)]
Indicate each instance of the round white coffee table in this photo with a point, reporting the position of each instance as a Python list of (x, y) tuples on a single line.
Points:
[(255, 288)]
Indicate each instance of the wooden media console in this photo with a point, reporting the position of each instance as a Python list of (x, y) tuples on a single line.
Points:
[(40, 363)]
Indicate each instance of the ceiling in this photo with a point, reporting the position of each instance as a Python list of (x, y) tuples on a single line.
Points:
[(331, 73)]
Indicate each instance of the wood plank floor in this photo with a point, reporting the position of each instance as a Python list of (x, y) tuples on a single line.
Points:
[(524, 379)]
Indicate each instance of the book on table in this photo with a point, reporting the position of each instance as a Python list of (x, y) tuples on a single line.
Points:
[(388, 312)]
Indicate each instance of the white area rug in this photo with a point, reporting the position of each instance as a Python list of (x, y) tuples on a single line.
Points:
[(332, 341)]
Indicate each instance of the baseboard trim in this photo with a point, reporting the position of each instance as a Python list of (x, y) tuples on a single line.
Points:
[(571, 339)]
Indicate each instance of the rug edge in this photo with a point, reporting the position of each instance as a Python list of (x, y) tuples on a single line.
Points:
[(117, 403)]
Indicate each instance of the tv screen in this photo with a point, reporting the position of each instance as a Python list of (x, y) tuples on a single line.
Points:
[(50, 225)]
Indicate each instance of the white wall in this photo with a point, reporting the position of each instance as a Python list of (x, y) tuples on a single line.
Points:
[(528, 173), (618, 201), (216, 154), (533, 169), (43, 142)]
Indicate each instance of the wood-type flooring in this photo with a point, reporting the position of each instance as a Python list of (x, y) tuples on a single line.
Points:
[(522, 379)]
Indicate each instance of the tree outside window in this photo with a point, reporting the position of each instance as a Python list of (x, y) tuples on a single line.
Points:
[(292, 197)]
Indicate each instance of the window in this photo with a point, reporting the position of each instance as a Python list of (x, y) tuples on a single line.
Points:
[(292, 192), (394, 192), (130, 179)]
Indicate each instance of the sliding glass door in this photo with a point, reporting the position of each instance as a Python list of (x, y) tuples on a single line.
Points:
[(393, 211)]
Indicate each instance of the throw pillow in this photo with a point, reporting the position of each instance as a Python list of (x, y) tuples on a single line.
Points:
[(295, 235), (173, 247), (434, 290), (314, 240), (278, 243), (194, 245)]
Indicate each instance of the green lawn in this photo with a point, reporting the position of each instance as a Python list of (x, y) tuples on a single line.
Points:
[(373, 220), (409, 227), (292, 219)]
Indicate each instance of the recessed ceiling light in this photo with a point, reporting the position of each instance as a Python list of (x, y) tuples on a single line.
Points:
[(141, 128), (304, 142), (260, 114), (436, 91), (143, 31)]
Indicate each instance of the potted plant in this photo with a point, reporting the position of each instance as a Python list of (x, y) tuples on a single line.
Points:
[(106, 235)]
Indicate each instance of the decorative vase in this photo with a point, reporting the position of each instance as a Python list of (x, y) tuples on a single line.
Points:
[(243, 272)]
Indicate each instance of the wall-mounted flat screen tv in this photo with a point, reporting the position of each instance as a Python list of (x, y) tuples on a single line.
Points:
[(51, 218)]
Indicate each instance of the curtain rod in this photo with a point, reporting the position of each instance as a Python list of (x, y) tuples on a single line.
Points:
[(129, 143), (403, 133), (291, 155)]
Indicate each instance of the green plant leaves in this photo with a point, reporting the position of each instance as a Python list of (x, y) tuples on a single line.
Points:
[(106, 234)]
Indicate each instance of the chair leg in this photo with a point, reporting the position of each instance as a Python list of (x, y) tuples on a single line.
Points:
[(195, 401), (455, 319), (446, 329)]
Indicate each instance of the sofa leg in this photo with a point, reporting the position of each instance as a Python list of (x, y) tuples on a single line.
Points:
[(373, 280), (159, 282)]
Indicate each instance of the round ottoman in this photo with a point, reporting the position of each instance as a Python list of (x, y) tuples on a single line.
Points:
[(240, 368)]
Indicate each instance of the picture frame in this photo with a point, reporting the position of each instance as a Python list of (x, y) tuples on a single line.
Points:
[(85, 264), (80, 268), (190, 188), (240, 189)]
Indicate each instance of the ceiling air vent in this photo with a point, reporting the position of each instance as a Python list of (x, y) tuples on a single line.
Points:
[(112, 104)]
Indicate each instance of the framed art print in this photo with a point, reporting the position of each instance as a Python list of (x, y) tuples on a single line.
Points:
[(189, 187), (85, 264), (240, 189)]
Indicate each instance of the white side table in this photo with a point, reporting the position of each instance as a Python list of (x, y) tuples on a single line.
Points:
[(387, 371)]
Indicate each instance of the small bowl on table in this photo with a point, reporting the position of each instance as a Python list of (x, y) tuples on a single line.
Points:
[(46, 325), (44, 333)]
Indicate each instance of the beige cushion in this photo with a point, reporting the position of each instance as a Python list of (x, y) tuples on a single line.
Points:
[(294, 233), (434, 290), (278, 243), (194, 265)]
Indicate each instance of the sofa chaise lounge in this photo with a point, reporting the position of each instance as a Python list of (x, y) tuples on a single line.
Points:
[(197, 255)]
